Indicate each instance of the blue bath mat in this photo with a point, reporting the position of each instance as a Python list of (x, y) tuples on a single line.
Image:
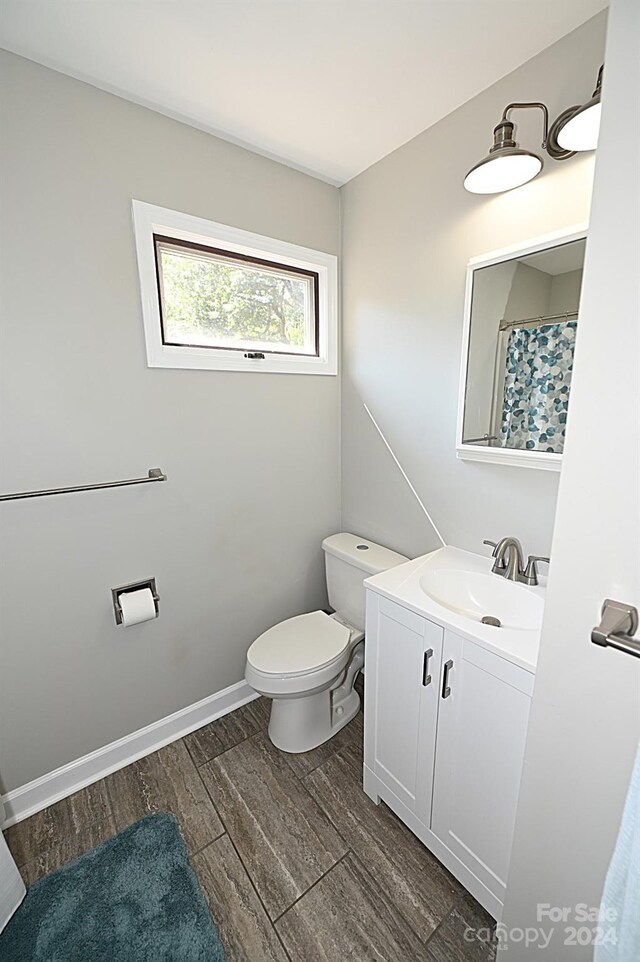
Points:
[(134, 898)]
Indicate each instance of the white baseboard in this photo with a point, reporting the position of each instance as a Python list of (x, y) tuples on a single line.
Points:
[(22, 802)]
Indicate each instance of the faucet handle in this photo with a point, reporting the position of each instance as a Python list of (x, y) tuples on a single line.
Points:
[(530, 576), (499, 564)]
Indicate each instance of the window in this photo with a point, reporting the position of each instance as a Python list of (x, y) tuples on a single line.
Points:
[(212, 298), (220, 298)]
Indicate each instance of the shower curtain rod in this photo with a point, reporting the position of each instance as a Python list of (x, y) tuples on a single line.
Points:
[(505, 325)]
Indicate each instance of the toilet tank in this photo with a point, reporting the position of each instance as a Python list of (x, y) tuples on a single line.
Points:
[(348, 561)]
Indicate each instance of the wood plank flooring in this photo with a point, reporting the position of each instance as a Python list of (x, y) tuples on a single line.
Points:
[(296, 863), (284, 839)]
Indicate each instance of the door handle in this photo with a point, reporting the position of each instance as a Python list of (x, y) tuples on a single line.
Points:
[(446, 687), (618, 624), (426, 677)]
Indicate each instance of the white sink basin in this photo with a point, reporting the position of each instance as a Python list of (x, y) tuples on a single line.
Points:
[(476, 595), (457, 589)]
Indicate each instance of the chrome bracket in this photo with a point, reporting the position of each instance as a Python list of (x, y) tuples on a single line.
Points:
[(619, 622)]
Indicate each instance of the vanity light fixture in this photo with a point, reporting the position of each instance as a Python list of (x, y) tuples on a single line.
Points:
[(507, 165), (577, 128)]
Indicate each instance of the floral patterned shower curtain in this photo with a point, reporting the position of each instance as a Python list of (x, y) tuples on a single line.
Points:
[(538, 366)]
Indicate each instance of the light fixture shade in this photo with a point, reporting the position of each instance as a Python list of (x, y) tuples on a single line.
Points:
[(503, 170), (581, 131), (578, 128)]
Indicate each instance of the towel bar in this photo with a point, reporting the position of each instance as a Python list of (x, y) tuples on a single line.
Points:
[(155, 474)]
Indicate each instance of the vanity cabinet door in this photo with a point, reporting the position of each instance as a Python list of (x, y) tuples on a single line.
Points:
[(482, 727), (402, 665)]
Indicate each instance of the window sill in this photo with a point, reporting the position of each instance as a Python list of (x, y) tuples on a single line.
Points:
[(207, 359)]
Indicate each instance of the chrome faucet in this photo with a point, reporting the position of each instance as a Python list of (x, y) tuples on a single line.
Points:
[(509, 562)]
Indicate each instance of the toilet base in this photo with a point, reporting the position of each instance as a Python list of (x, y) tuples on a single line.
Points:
[(301, 724)]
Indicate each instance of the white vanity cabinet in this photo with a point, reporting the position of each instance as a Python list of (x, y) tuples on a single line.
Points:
[(445, 730), (403, 659)]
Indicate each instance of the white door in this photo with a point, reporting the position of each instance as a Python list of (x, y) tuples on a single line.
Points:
[(402, 664), (585, 713), (482, 729), (12, 888)]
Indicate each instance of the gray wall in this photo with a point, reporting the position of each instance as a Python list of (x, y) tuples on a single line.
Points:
[(491, 290), (253, 460), (565, 292), (409, 230), (529, 294)]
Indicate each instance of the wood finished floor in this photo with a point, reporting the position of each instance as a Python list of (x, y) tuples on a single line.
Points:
[(296, 863)]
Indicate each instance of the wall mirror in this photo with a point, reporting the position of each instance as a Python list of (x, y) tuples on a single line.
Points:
[(521, 316)]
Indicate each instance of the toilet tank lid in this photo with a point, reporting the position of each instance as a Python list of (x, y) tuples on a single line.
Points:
[(363, 554)]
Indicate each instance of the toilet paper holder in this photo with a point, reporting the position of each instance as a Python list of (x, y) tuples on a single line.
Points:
[(149, 583)]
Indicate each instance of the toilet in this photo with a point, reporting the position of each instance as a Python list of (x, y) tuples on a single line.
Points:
[(307, 665)]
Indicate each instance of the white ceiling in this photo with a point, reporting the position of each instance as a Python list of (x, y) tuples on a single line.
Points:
[(328, 86), (558, 260)]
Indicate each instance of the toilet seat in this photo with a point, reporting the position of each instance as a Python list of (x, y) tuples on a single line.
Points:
[(300, 646)]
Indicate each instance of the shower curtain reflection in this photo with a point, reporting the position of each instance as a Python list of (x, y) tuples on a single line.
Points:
[(538, 363)]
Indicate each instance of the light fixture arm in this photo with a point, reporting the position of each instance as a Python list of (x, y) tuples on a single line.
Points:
[(503, 133), (525, 106)]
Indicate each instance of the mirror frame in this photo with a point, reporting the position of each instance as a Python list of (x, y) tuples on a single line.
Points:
[(516, 457)]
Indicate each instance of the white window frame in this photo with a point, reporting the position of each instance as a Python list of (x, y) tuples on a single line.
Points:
[(149, 220)]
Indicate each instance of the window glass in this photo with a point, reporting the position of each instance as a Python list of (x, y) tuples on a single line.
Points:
[(223, 300)]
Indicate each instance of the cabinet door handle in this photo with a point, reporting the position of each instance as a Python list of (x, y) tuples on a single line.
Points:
[(446, 687), (426, 677)]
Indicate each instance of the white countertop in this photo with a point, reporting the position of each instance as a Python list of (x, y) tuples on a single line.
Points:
[(402, 584)]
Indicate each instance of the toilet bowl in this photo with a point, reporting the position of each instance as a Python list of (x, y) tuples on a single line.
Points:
[(308, 664)]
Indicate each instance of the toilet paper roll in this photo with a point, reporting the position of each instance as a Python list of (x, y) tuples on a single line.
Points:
[(137, 606)]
